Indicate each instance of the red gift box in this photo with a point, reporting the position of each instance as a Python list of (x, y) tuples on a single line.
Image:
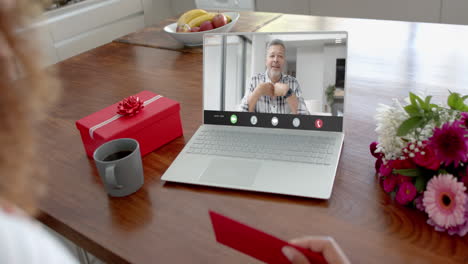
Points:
[(156, 124)]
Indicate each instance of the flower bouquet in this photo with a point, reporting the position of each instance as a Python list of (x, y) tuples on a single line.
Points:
[(422, 158)]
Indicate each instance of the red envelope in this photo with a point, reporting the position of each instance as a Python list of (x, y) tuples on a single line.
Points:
[(255, 243)]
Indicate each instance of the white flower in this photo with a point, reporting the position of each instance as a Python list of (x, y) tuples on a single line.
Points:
[(389, 118)]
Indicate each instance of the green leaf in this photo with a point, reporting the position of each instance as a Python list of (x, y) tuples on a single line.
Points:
[(420, 101), (452, 100), (442, 171), (428, 99), (420, 183), (459, 103), (434, 106), (437, 120), (427, 103), (456, 102), (412, 110), (409, 124), (412, 98), (416, 172)]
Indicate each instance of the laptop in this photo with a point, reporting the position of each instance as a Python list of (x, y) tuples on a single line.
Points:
[(273, 108)]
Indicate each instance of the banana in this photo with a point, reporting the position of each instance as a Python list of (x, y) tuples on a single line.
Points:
[(196, 22), (190, 15), (229, 19)]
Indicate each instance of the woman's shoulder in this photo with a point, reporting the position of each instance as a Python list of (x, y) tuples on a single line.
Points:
[(22, 240)]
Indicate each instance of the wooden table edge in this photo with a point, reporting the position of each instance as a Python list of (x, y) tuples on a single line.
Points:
[(79, 240)]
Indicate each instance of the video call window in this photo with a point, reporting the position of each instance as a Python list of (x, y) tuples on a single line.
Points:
[(300, 73)]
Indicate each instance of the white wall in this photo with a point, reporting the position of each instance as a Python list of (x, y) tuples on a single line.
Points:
[(282, 6), (310, 67), (212, 76), (454, 11), (156, 10), (233, 93), (180, 6), (258, 54), (407, 10)]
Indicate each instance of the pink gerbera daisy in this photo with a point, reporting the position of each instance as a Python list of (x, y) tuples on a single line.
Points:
[(460, 230), (450, 144), (444, 201)]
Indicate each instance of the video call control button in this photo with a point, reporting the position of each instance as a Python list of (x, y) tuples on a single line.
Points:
[(318, 123), (296, 122), (274, 121), (253, 120), (233, 119)]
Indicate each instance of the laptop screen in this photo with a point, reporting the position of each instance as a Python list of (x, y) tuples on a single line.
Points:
[(275, 80)]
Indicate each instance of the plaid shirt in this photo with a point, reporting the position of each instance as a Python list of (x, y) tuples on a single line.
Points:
[(277, 104)]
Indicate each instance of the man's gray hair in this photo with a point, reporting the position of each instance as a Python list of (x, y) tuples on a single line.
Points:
[(276, 42)]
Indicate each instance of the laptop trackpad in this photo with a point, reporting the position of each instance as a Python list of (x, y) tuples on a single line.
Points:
[(231, 172)]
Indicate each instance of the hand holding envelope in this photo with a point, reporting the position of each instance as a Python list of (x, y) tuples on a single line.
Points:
[(325, 245), (270, 249)]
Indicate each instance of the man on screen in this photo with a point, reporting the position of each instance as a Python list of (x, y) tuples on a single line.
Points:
[(273, 91)]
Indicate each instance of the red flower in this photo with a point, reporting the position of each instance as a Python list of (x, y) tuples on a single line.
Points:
[(372, 148), (450, 143), (464, 119), (389, 183), (426, 158), (378, 164), (130, 106), (406, 193), (401, 179), (385, 170), (404, 164)]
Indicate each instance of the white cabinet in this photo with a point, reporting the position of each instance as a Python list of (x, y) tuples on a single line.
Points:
[(83, 26), (40, 32), (71, 30), (454, 12)]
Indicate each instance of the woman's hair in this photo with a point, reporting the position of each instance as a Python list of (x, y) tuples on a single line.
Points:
[(26, 90)]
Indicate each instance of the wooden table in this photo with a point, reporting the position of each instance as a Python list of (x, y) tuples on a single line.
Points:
[(169, 223)]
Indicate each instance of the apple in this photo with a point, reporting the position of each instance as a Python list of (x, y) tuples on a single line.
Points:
[(195, 29), (183, 28), (219, 20), (207, 25)]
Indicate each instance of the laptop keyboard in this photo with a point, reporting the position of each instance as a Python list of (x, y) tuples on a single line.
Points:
[(251, 145)]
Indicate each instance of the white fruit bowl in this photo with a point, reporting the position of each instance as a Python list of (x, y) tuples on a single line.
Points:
[(196, 38)]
